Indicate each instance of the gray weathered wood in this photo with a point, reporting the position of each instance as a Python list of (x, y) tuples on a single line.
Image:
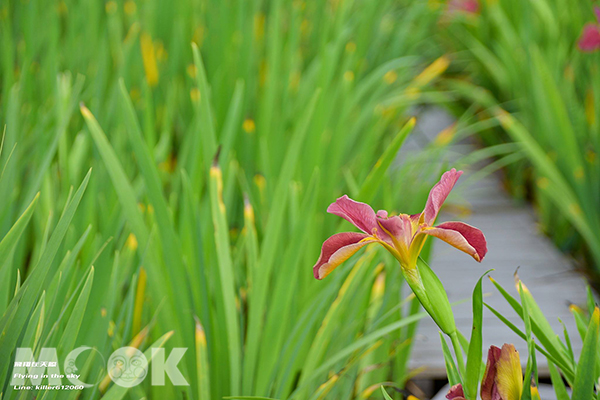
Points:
[(513, 242)]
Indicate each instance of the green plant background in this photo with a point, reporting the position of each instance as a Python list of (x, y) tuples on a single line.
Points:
[(166, 166), (119, 230)]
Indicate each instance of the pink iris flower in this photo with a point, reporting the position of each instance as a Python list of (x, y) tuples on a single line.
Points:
[(503, 378), (590, 36), (402, 235), (466, 6)]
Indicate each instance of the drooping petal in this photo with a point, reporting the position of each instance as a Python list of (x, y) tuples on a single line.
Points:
[(337, 249), (597, 12), (590, 38), (438, 195), (359, 214), (509, 375), (489, 391), (456, 393), (462, 236)]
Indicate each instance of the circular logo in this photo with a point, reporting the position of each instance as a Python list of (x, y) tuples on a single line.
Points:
[(71, 365), (127, 367)]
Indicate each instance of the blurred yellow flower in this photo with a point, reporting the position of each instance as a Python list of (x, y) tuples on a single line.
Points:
[(249, 126), (169, 164), (390, 77), (305, 27), (129, 7), (574, 209), (259, 26), (569, 73), (111, 329), (191, 70), (131, 242), (445, 136), (248, 211), (506, 120), (590, 109), (135, 95), (62, 8), (260, 182), (434, 70), (195, 95), (111, 7), (262, 73), (412, 93), (378, 287), (543, 182), (199, 35), (200, 335), (433, 4), (149, 59), (350, 47)]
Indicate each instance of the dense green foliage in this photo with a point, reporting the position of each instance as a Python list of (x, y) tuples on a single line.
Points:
[(525, 55), (166, 166), (301, 98)]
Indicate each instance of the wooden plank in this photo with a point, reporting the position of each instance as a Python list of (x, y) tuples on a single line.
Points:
[(514, 241), (547, 273)]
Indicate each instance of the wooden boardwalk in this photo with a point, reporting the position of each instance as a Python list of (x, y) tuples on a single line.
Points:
[(514, 241)]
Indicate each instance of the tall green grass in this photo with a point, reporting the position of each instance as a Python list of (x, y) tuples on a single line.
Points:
[(528, 73), (182, 188)]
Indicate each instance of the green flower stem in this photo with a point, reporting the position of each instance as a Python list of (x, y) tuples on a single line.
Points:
[(459, 355)]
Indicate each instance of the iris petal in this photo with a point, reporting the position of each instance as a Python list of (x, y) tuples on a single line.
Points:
[(337, 249), (462, 236), (590, 38), (456, 393), (438, 195), (359, 214), (400, 227), (467, 6), (489, 391), (509, 377)]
